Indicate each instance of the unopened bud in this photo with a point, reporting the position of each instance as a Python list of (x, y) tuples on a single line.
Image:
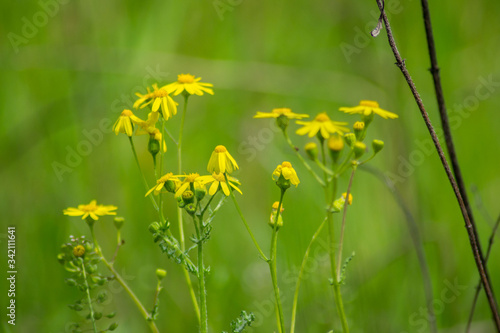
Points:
[(160, 273), (359, 149), (377, 145), (311, 150)]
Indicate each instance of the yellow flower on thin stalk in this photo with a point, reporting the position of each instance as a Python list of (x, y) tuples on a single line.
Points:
[(125, 122), (275, 113), (189, 84), (286, 170), (92, 209), (323, 125), (219, 181), (366, 108), (160, 183), (221, 161), (192, 179), (160, 98)]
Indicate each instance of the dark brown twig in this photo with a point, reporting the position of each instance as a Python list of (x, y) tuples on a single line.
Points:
[(478, 287), (473, 241), (448, 138)]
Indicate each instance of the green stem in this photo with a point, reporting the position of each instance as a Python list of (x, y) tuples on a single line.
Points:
[(122, 282), (245, 223), (311, 171), (341, 243), (153, 201), (201, 279), (301, 272), (89, 299), (273, 269)]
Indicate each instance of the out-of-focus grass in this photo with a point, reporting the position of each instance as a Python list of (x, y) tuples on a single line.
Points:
[(91, 56)]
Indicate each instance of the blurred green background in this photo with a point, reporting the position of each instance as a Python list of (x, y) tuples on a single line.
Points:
[(81, 64)]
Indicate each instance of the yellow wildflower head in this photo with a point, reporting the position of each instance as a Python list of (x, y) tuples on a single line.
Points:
[(221, 161), (92, 209), (159, 97), (276, 113), (79, 251), (367, 108), (191, 181), (124, 123), (285, 174), (169, 181), (322, 126), (218, 181), (350, 197), (190, 85)]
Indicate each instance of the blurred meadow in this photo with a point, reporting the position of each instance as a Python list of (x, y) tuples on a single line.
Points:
[(82, 66)]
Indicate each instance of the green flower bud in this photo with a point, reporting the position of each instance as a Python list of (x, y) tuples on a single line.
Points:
[(111, 315), (200, 193), (273, 216), (359, 149), (358, 128), (311, 149), (153, 146), (188, 197), (335, 145), (170, 186), (97, 315), (88, 247), (377, 145), (350, 139), (118, 222), (283, 183), (154, 227), (190, 208), (70, 282), (113, 327), (160, 273), (368, 119)]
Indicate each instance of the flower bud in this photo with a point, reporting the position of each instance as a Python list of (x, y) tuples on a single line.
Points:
[(335, 146), (118, 222), (283, 183), (160, 273), (78, 251), (190, 208), (312, 150), (188, 197), (282, 122), (273, 215), (200, 193), (154, 227), (153, 146), (350, 139), (358, 128), (113, 327), (359, 149), (377, 146)]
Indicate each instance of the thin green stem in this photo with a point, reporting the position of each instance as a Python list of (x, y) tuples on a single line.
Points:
[(122, 282), (89, 299), (311, 171), (273, 269), (245, 223), (201, 279), (301, 272), (341, 243), (146, 186)]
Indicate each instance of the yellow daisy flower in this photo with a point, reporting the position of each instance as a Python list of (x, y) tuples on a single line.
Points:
[(366, 108), (159, 97), (124, 123), (286, 170), (221, 161), (322, 124), (219, 181), (275, 113), (160, 183), (151, 122), (92, 209), (190, 179), (189, 84)]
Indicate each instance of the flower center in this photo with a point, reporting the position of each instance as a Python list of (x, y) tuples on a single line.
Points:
[(88, 208), (371, 104), (185, 78), (322, 117), (281, 111), (220, 149), (127, 113), (359, 125), (286, 165), (191, 177), (219, 177), (159, 93)]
